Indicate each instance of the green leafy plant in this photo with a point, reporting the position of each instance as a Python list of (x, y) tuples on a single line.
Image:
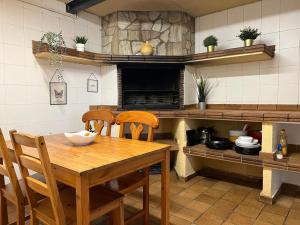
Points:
[(210, 40), (56, 45), (249, 33), (203, 87), (80, 40)]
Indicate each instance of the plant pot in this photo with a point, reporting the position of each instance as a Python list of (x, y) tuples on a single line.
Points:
[(202, 105), (248, 42), (210, 48), (80, 47)]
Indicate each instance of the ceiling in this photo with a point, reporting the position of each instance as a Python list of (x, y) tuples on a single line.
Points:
[(193, 7)]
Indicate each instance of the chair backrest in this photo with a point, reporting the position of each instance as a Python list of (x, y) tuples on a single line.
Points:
[(99, 117), (7, 170), (137, 121), (40, 165)]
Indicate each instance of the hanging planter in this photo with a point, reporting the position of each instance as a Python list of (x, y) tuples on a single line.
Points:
[(57, 47)]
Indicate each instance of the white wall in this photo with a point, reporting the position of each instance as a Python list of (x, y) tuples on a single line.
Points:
[(268, 82), (24, 90), (109, 85)]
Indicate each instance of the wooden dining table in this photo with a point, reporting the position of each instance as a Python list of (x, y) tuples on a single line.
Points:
[(107, 158)]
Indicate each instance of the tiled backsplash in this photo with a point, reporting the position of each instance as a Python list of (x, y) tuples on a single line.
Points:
[(268, 82), (24, 90)]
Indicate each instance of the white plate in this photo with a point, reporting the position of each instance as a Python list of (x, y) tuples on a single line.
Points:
[(81, 138), (244, 145)]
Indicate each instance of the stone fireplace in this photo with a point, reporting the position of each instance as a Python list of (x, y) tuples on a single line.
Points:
[(147, 85), (170, 33), (150, 86)]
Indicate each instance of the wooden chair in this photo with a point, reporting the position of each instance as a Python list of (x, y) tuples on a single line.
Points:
[(129, 183), (11, 192), (58, 208), (99, 117)]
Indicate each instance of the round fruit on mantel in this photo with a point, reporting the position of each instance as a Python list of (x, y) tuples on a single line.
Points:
[(147, 49)]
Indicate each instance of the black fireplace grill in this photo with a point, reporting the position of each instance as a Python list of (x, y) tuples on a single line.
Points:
[(149, 86)]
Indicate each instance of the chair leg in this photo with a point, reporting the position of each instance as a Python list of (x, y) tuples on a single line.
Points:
[(33, 219), (3, 210), (146, 196), (117, 215), (20, 214)]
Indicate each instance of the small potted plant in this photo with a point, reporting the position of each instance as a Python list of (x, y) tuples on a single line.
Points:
[(210, 43), (248, 35), (203, 88), (80, 42)]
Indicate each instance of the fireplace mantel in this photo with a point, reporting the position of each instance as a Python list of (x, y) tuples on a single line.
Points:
[(228, 56)]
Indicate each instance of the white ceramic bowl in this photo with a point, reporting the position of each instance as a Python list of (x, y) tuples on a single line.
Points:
[(246, 139), (81, 138), (237, 133)]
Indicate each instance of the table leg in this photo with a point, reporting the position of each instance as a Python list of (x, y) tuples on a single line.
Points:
[(82, 201), (165, 188)]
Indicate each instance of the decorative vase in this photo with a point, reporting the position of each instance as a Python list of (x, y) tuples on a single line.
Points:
[(210, 48), (248, 42), (202, 105), (80, 47), (147, 49)]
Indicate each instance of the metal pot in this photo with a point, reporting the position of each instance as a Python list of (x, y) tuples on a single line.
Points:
[(202, 106), (248, 42), (210, 48), (205, 135)]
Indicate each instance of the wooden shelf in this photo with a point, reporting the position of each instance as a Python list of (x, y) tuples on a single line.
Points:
[(223, 155), (41, 51), (228, 56), (172, 142), (228, 115), (290, 163), (253, 53)]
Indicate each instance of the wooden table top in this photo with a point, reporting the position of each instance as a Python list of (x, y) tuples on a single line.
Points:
[(103, 153)]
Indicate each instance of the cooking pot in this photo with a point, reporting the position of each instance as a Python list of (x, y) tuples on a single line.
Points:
[(205, 134)]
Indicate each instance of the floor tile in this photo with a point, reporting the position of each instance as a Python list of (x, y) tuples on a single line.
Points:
[(205, 201)]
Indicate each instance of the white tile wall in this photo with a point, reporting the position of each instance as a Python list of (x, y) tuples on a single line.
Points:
[(268, 82), (108, 85), (24, 90)]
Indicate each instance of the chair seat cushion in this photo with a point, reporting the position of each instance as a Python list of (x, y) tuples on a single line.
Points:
[(127, 183)]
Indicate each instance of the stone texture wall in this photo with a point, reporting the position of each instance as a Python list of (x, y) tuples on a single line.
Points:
[(170, 33)]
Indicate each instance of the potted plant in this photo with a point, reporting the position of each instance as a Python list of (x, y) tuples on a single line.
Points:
[(80, 42), (203, 88), (56, 45), (210, 43), (248, 35)]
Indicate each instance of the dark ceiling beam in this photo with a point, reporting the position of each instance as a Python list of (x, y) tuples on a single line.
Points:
[(76, 6)]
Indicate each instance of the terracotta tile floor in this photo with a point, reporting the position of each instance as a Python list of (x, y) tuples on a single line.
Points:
[(206, 201)]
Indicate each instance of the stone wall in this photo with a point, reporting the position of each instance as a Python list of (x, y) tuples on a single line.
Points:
[(170, 33)]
